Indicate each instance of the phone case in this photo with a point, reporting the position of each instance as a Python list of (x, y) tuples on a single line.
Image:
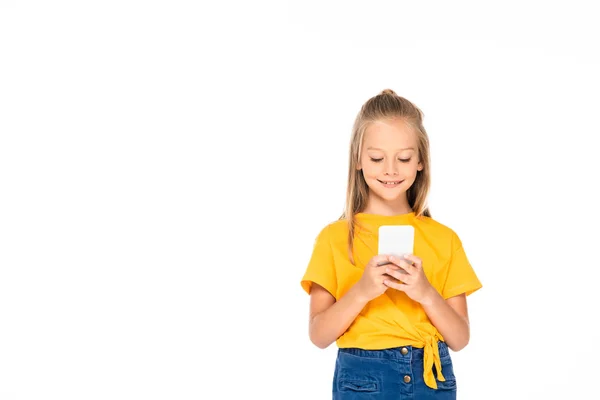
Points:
[(396, 240)]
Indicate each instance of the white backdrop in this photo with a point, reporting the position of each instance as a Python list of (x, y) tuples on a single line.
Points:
[(166, 166)]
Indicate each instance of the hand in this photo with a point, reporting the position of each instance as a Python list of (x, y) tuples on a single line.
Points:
[(413, 282), (371, 283)]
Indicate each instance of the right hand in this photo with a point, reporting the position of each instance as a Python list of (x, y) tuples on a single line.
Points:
[(371, 283)]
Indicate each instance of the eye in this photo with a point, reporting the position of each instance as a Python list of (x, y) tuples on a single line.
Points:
[(404, 160), (376, 159)]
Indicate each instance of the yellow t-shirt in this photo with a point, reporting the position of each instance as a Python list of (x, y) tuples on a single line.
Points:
[(392, 319)]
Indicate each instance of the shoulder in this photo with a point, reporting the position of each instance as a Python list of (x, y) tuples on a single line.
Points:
[(333, 234), (434, 228), (334, 230)]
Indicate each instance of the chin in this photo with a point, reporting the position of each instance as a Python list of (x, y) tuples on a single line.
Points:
[(394, 199), (389, 196)]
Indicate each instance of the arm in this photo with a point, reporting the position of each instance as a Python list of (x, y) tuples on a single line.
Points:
[(450, 317), (330, 319)]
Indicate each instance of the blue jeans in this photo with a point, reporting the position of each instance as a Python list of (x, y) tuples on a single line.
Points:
[(390, 374)]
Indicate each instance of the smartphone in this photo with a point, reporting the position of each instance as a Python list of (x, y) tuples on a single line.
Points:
[(396, 240)]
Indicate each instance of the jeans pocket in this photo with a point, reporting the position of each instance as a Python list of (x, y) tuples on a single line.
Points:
[(354, 381), (448, 371)]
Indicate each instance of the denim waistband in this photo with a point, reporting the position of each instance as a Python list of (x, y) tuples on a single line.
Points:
[(395, 353)]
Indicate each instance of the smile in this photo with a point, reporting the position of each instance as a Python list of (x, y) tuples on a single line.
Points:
[(390, 183)]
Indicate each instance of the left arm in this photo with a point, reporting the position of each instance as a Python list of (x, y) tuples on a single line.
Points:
[(450, 317)]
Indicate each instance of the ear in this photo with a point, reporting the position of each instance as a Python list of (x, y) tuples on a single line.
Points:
[(419, 166), (358, 166)]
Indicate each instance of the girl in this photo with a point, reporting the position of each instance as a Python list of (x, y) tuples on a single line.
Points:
[(392, 319)]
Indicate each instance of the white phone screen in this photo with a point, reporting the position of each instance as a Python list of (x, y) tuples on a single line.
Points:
[(396, 240)]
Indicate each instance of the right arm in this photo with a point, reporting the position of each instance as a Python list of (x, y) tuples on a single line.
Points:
[(330, 319)]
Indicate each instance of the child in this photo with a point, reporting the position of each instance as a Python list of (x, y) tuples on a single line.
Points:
[(392, 319)]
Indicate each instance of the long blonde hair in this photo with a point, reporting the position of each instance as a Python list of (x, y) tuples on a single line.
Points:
[(385, 105)]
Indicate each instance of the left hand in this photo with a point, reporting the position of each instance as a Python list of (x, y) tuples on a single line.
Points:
[(414, 282)]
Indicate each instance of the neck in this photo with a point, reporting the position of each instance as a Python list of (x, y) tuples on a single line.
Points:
[(380, 206)]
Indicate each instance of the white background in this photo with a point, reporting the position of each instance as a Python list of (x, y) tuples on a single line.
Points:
[(166, 166)]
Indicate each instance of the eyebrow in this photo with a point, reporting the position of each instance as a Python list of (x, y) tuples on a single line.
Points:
[(375, 148)]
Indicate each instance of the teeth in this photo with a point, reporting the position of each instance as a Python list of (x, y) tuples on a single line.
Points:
[(390, 183)]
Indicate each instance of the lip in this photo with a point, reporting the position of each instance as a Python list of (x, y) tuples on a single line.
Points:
[(390, 185)]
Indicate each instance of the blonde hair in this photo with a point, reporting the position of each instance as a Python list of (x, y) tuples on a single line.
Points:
[(385, 105)]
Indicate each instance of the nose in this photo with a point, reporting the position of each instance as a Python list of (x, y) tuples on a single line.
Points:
[(391, 168)]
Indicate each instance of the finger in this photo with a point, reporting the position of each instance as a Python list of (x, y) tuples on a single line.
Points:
[(395, 267), (381, 259), (414, 259), (394, 285), (399, 274), (409, 268)]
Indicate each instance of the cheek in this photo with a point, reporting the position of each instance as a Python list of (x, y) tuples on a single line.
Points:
[(370, 170)]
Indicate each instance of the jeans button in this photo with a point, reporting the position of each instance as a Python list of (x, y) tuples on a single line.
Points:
[(404, 351), (406, 379)]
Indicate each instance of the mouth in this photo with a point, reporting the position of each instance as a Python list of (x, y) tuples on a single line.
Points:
[(390, 184)]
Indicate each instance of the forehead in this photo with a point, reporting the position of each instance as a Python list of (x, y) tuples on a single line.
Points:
[(390, 134)]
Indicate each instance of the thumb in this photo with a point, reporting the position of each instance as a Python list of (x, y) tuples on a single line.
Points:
[(381, 259)]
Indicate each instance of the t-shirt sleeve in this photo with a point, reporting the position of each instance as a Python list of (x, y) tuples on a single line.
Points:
[(461, 277), (321, 268)]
